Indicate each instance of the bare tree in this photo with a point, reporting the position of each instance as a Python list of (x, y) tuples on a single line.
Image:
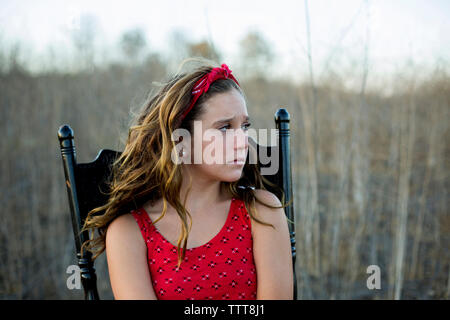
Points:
[(256, 54), (205, 50), (83, 39), (132, 43)]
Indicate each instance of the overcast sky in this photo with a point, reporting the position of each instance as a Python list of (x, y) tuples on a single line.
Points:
[(393, 30)]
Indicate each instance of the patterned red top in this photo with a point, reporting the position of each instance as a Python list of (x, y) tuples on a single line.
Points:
[(222, 268)]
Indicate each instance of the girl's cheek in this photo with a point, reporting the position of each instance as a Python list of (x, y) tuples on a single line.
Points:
[(228, 151)]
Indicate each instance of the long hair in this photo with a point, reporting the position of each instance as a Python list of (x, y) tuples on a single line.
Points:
[(145, 171)]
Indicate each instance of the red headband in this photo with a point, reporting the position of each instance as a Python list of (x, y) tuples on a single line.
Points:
[(202, 85)]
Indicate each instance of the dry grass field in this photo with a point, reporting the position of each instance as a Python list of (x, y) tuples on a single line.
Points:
[(370, 173)]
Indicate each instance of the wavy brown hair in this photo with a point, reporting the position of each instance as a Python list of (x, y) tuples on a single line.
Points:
[(144, 171)]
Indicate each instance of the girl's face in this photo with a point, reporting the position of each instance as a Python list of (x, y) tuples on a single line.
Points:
[(219, 144)]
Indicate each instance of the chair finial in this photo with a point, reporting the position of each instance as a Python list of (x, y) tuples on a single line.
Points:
[(65, 132), (282, 115)]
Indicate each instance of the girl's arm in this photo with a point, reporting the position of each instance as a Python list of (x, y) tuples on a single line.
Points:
[(127, 260), (272, 251)]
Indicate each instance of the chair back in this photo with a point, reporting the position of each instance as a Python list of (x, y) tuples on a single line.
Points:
[(87, 185)]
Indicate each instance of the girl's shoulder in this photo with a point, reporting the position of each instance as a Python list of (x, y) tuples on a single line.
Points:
[(274, 216), (124, 229), (267, 197)]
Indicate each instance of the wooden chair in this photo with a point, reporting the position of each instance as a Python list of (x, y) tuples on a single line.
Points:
[(86, 185)]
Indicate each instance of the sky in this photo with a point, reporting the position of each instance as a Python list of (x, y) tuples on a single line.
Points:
[(394, 32)]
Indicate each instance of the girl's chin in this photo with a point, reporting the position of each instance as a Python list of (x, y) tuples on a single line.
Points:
[(234, 175), (225, 172)]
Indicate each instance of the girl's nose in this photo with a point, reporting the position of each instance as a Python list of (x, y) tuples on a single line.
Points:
[(241, 139)]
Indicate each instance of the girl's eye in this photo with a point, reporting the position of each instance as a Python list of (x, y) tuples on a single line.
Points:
[(245, 126), (225, 127)]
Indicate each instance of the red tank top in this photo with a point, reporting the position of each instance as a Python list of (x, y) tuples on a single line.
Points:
[(222, 268)]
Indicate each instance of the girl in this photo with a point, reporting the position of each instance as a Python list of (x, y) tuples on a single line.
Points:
[(236, 243)]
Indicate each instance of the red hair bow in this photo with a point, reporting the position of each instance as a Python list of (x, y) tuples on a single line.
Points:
[(202, 85)]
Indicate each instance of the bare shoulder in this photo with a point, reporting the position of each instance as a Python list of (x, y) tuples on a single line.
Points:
[(267, 197), (275, 216), (124, 229), (127, 260)]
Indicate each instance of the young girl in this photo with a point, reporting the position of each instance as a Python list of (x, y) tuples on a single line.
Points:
[(236, 244)]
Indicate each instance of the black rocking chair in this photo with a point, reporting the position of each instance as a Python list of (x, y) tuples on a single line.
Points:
[(86, 185)]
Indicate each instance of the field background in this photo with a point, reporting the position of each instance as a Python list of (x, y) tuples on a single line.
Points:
[(370, 164)]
